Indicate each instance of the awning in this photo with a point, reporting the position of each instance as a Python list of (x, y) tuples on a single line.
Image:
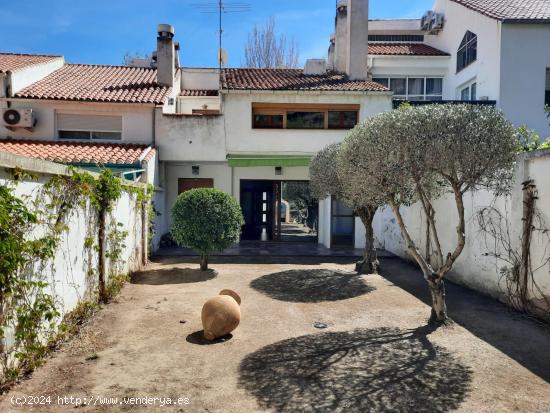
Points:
[(268, 160)]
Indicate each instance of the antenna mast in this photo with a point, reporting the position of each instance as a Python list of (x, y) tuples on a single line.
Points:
[(221, 7)]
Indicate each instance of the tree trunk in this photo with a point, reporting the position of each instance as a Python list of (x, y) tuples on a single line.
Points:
[(439, 307), (204, 262), (369, 264)]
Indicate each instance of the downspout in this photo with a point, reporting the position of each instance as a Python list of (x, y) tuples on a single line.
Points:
[(154, 128)]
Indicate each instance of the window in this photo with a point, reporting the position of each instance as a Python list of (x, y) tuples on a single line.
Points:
[(268, 121), (469, 92), (547, 89), (302, 116), (89, 127), (342, 119), (467, 51), (414, 88), (398, 86), (305, 120)]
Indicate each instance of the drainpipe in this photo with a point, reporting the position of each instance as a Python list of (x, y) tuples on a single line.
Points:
[(154, 128)]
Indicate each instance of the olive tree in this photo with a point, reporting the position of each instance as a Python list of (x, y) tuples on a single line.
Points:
[(420, 154), (325, 181), (206, 220)]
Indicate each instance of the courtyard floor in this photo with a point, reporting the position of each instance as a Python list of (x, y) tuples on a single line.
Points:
[(375, 354)]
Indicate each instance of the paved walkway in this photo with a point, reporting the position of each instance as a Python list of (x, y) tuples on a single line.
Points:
[(375, 354), (274, 249)]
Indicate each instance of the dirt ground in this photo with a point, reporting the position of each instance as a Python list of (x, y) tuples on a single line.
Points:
[(375, 354)]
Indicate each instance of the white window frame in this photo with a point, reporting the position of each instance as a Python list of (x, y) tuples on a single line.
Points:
[(407, 95), (468, 85)]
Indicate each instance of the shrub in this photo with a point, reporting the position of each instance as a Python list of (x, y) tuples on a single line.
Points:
[(206, 220)]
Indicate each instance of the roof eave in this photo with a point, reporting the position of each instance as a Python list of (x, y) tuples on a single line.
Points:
[(309, 92), (525, 21)]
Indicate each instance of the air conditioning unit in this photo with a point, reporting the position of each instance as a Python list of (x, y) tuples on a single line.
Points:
[(426, 20), (437, 22), (18, 118)]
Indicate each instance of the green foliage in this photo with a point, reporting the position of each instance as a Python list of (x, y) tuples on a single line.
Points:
[(323, 176), (108, 189), (25, 309), (27, 312), (206, 220), (529, 140)]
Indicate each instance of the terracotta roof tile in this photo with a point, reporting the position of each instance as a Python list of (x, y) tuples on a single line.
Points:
[(534, 11), (99, 83), (78, 152), (293, 79), (404, 49), (13, 62), (202, 92)]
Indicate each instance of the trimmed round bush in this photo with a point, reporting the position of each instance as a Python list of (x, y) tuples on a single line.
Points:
[(206, 220)]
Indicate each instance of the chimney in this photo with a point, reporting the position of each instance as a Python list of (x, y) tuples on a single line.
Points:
[(166, 55), (357, 39), (341, 35)]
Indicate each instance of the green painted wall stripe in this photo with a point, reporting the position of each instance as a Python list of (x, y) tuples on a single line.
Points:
[(265, 160)]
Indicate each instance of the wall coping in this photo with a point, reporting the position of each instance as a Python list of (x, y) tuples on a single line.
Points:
[(40, 166)]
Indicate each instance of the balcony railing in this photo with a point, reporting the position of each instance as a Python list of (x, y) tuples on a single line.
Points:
[(398, 102)]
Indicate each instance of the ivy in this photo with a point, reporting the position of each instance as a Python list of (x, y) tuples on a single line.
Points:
[(29, 326), (25, 309)]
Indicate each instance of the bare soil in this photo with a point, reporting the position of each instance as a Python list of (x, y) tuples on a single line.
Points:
[(375, 354)]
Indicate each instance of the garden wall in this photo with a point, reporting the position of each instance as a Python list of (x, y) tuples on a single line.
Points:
[(479, 267), (72, 274)]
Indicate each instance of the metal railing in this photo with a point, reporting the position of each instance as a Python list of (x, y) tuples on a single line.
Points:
[(398, 102)]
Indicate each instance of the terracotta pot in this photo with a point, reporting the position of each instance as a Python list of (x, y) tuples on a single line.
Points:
[(221, 314)]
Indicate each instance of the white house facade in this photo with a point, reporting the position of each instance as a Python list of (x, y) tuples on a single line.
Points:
[(249, 131), (473, 50)]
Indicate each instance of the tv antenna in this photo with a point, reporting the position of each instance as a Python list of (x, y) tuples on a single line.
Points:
[(221, 7)]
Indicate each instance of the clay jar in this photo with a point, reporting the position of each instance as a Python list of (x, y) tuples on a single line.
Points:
[(221, 314)]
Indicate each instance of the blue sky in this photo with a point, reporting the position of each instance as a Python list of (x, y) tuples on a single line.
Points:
[(102, 31)]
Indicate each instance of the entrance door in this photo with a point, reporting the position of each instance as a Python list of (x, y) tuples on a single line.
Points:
[(257, 204)]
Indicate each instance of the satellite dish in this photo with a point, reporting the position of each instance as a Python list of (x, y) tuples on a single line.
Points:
[(222, 57)]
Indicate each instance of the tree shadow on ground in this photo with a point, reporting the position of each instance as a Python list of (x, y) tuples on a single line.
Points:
[(198, 338), (511, 332), (385, 369), (311, 286), (163, 276)]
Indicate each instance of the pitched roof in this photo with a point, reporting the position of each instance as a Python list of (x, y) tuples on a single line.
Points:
[(404, 49), (13, 62), (199, 92), (98, 83), (78, 152), (293, 79), (523, 11)]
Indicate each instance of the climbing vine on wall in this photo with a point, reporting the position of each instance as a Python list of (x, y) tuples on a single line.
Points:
[(28, 310), (518, 272)]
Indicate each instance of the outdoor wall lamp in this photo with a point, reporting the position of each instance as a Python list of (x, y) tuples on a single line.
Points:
[(278, 170)]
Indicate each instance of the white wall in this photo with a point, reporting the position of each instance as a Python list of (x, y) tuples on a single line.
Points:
[(324, 222), (190, 138), (486, 70), (26, 76), (525, 58), (69, 277), (137, 120), (199, 78), (242, 138), (474, 268)]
